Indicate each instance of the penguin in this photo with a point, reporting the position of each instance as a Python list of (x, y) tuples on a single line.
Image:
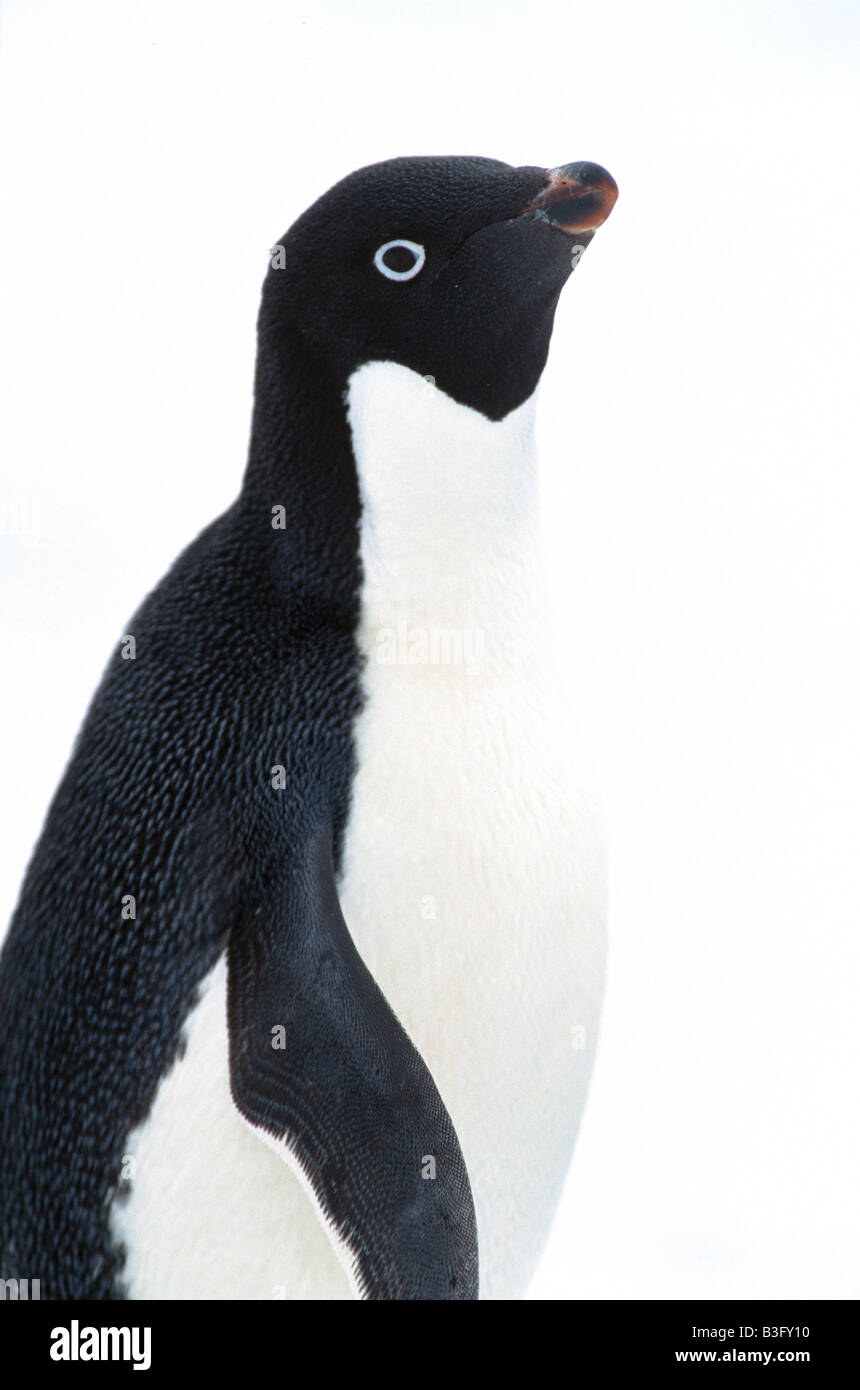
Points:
[(302, 989)]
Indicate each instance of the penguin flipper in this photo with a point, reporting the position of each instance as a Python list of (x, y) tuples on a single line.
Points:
[(320, 1066)]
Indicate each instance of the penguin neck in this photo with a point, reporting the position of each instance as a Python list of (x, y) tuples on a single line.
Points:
[(449, 531), (300, 499)]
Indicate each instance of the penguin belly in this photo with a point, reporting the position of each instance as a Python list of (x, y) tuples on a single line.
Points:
[(467, 898)]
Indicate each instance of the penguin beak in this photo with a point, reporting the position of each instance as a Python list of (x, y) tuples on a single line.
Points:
[(576, 198)]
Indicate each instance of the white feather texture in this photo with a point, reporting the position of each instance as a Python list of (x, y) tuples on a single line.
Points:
[(472, 877), (473, 881)]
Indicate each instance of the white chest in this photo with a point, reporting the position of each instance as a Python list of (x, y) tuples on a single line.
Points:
[(471, 874)]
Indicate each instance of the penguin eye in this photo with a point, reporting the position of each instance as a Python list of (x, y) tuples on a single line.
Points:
[(399, 260)]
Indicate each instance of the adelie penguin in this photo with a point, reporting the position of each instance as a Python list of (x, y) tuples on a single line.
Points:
[(301, 993)]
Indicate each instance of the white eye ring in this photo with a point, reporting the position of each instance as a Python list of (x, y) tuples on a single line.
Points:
[(417, 252)]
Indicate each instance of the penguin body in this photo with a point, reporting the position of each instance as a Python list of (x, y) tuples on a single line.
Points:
[(343, 1046)]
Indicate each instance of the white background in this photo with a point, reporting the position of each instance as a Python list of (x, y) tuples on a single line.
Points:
[(699, 429)]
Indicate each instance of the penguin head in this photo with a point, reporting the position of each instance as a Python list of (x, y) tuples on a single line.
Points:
[(451, 267)]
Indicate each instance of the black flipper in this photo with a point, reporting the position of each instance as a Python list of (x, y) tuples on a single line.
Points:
[(348, 1092)]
